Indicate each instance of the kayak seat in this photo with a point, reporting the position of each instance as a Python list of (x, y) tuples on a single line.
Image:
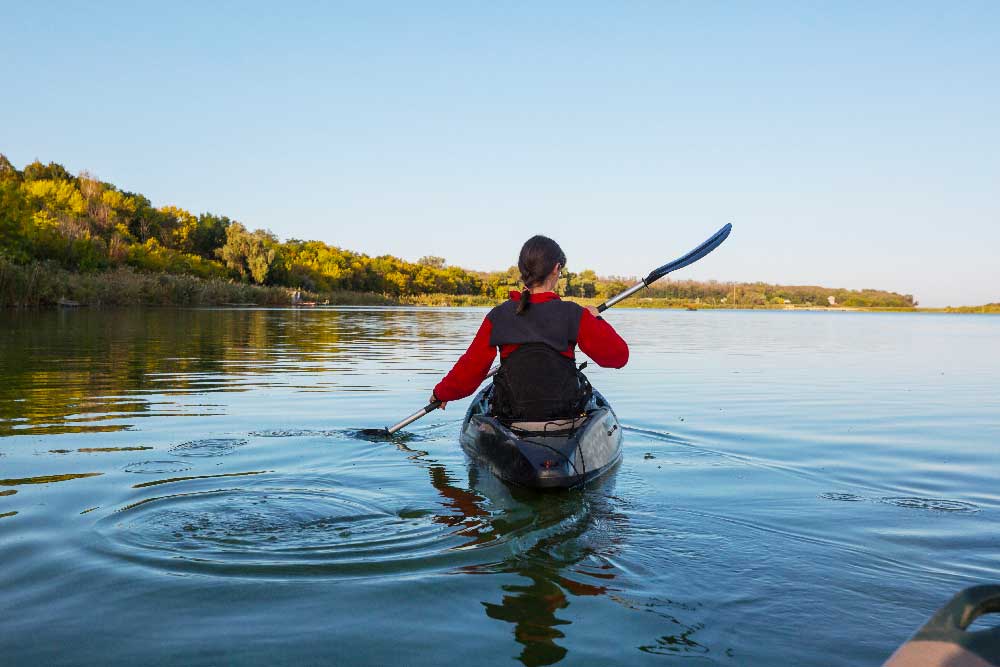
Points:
[(551, 426)]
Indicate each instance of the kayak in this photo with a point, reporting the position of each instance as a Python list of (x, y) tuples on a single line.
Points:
[(554, 454), (947, 640)]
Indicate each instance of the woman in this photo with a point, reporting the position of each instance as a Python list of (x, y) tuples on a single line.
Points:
[(536, 333)]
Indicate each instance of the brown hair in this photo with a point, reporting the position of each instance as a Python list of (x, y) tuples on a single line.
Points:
[(539, 255)]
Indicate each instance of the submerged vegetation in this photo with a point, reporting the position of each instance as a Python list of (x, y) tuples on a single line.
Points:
[(78, 239)]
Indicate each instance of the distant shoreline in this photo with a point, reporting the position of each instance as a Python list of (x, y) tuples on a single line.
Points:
[(32, 287)]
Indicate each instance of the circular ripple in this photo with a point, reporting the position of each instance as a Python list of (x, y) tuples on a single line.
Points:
[(934, 504), (275, 533), (842, 497), (208, 447), (156, 467)]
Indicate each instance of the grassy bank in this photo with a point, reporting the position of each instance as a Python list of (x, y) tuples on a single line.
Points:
[(987, 308), (688, 304), (46, 284)]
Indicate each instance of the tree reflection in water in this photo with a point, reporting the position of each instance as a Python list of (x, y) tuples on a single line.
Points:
[(97, 370), (564, 543), (569, 535), (572, 535)]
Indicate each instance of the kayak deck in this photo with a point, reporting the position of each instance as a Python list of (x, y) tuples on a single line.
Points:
[(544, 455)]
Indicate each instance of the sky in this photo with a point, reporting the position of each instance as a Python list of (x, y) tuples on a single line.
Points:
[(851, 144)]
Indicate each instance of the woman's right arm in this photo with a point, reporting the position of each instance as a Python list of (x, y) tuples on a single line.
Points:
[(471, 368)]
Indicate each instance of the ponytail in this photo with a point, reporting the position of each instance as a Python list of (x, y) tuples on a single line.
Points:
[(539, 256), (524, 302)]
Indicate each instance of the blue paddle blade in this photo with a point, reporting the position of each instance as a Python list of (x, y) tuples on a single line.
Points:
[(708, 246)]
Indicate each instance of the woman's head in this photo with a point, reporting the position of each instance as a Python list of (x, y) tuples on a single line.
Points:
[(539, 256), (537, 261)]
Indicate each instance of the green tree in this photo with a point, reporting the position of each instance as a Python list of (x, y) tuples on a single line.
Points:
[(432, 261), (209, 235), (201, 235), (36, 171), (15, 217), (8, 172), (612, 287), (587, 283), (249, 254), (569, 284)]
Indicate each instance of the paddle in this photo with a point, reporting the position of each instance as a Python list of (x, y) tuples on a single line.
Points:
[(708, 246), (690, 258)]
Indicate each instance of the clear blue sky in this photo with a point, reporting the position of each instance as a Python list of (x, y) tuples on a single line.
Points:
[(852, 144)]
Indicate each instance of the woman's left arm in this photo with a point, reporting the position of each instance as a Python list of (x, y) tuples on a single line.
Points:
[(471, 368)]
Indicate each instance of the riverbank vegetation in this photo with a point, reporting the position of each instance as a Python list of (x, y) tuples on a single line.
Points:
[(78, 239), (986, 308)]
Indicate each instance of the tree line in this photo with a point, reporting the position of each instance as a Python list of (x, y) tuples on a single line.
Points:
[(84, 224)]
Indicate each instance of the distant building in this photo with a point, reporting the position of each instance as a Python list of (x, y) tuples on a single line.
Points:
[(831, 300)]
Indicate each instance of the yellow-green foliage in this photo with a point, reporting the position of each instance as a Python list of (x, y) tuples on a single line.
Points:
[(987, 308), (56, 198), (752, 295), (86, 225), (320, 267), (151, 256)]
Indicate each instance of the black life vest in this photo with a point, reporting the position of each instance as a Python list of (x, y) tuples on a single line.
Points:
[(537, 382)]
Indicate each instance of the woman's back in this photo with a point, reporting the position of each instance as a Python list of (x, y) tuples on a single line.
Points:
[(536, 333)]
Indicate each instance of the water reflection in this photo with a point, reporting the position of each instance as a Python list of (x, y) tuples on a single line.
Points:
[(571, 536), (567, 543), (174, 480), (94, 371), (95, 450), (156, 467), (47, 479)]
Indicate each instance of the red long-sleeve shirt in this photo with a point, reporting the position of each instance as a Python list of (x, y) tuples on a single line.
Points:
[(596, 338)]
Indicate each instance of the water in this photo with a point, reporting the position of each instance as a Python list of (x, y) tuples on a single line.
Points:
[(189, 487)]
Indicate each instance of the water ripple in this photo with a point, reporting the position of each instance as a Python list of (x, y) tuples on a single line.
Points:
[(933, 504), (909, 502), (156, 467), (276, 532), (208, 447), (842, 497)]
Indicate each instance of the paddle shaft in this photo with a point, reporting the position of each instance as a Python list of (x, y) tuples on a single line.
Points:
[(430, 407), (621, 297), (708, 246)]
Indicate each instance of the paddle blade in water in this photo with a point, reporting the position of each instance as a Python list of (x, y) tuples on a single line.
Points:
[(374, 433)]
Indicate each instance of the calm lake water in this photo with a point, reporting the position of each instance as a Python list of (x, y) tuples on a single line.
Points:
[(188, 487)]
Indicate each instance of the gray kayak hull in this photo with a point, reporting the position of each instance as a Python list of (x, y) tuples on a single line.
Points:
[(546, 455)]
